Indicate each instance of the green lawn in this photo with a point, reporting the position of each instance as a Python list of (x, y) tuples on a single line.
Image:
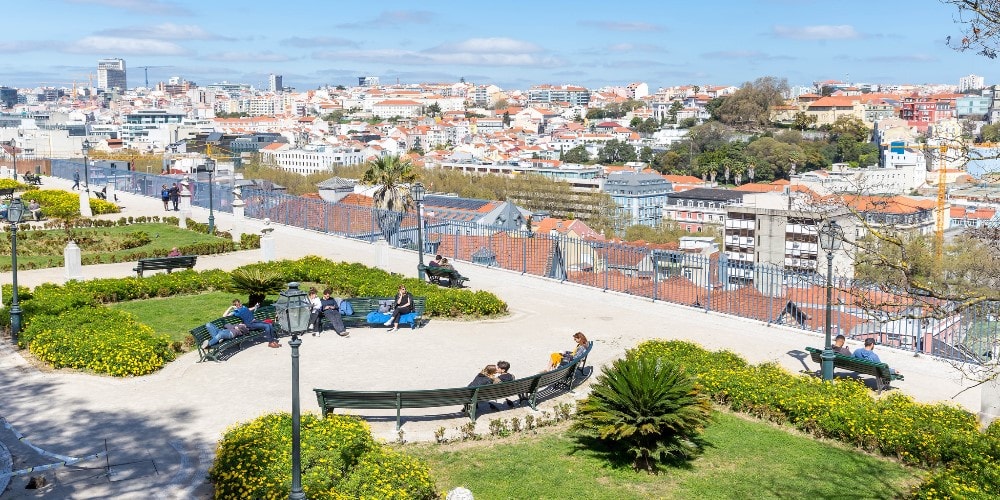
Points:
[(39, 249), (746, 459), (176, 315)]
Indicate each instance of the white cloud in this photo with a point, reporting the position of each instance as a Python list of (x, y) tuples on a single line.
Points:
[(818, 32), (125, 46), (235, 56), (297, 41), (487, 46), (634, 47), (745, 54), (409, 57), (622, 26), (165, 31)]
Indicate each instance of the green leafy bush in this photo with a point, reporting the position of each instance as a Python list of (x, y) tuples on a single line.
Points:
[(933, 435), (645, 408), (257, 282), (98, 340), (340, 460)]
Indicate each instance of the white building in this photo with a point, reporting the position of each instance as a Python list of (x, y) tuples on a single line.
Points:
[(312, 158), (111, 74), (403, 108), (971, 82)]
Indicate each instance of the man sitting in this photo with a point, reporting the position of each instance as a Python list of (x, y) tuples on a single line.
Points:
[(220, 334), (246, 316), (839, 347), (868, 354)]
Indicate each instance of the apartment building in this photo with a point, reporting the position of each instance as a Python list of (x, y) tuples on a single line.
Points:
[(310, 159), (152, 129), (403, 108), (700, 209), (640, 197), (546, 94), (111, 74)]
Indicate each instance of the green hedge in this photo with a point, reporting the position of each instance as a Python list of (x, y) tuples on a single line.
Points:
[(100, 340), (340, 460), (60, 204), (940, 436), (357, 280)]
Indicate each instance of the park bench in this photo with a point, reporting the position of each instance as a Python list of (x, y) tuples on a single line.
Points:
[(168, 263), (366, 312), (435, 274), (7, 193), (32, 179), (468, 398), (200, 333), (883, 376)]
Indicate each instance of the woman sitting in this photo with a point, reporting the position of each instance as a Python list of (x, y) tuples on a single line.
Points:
[(487, 376), (558, 359)]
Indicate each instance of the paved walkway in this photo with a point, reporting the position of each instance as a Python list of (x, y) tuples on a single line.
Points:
[(160, 430)]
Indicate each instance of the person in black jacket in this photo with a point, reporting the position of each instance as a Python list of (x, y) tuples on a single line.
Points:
[(403, 305), (485, 377), (331, 311)]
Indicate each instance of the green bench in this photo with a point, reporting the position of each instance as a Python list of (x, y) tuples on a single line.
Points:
[(435, 274), (883, 375), (529, 388), (168, 263), (200, 333), (363, 306)]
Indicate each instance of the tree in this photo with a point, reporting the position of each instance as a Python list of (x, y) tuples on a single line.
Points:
[(646, 154), (506, 119), (749, 108), (980, 26), (990, 133), (647, 409), (434, 110), (617, 152), (850, 127), (392, 175), (803, 121), (675, 107), (578, 154)]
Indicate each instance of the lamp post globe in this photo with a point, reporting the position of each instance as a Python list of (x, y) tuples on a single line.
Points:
[(418, 193), (831, 237), (15, 214)]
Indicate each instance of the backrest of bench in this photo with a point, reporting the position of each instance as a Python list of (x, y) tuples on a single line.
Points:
[(419, 303), (201, 333), (557, 375), (851, 363), (436, 397), (507, 389), (329, 399), (264, 312)]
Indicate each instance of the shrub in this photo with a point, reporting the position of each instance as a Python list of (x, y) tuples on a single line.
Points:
[(257, 282), (934, 435), (646, 408), (97, 339), (61, 204), (249, 241), (340, 459)]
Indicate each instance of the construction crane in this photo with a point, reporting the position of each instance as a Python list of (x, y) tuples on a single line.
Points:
[(146, 71)]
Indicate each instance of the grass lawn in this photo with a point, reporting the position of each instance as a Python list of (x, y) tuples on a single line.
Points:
[(746, 459), (177, 315), (44, 248)]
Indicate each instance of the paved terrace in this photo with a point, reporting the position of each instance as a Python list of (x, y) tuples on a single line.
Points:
[(160, 430)]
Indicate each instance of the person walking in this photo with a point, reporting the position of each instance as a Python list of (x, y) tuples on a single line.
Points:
[(76, 180), (165, 197), (175, 196)]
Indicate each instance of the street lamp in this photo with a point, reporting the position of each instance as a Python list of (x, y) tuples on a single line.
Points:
[(15, 214), (85, 210), (210, 168), (831, 237), (291, 311), (418, 196)]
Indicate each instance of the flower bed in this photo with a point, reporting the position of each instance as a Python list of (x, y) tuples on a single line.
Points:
[(340, 460), (98, 340), (932, 435), (60, 204)]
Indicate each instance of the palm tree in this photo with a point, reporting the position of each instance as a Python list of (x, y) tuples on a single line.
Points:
[(392, 175), (646, 408)]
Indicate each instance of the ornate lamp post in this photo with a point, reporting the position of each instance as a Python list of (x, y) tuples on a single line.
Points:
[(831, 237), (15, 214), (292, 315), (418, 192), (85, 210), (210, 168)]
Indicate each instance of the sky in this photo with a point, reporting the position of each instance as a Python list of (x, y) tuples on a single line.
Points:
[(513, 44)]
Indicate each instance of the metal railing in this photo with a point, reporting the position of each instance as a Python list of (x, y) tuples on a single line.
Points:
[(760, 292)]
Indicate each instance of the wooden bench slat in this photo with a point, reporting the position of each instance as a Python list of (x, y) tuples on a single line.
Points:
[(165, 263)]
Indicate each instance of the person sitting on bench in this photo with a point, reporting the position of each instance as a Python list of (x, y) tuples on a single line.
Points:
[(435, 262), (868, 354), (220, 334), (444, 264), (174, 252), (35, 209), (839, 347), (246, 316), (331, 312)]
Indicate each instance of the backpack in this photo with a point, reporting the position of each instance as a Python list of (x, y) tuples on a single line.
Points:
[(345, 308)]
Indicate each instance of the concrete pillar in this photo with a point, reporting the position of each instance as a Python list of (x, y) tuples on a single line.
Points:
[(85, 210), (267, 242), (111, 192), (382, 254), (72, 262), (238, 215), (185, 204), (990, 401)]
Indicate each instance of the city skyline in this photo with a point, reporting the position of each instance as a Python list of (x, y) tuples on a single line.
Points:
[(515, 45)]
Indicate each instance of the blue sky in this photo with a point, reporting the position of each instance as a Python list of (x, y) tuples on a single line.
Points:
[(513, 44)]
